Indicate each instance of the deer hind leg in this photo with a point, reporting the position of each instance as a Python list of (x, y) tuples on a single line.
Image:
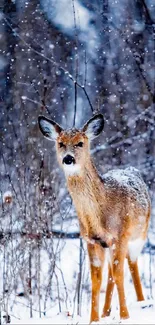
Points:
[(96, 257), (118, 274), (109, 292), (133, 266)]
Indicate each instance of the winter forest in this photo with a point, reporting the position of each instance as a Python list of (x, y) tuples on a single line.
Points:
[(67, 60)]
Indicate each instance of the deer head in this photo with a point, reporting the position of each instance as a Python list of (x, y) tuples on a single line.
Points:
[(72, 145)]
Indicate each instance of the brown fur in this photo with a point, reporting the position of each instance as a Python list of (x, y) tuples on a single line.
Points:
[(110, 213), (113, 211)]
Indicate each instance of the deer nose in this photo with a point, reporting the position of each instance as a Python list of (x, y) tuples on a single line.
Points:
[(68, 160)]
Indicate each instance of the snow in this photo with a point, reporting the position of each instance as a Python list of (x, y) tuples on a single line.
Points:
[(131, 180), (96, 261), (66, 20), (3, 62), (140, 313), (61, 13), (138, 27)]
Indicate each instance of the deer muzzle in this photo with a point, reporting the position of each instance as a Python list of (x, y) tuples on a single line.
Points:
[(68, 160)]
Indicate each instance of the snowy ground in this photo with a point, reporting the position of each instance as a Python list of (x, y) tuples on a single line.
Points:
[(140, 312), (64, 298)]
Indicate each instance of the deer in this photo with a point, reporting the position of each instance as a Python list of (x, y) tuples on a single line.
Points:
[(113, 210)]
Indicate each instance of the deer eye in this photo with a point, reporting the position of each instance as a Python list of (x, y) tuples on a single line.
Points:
[(80, 144), (61, 145)]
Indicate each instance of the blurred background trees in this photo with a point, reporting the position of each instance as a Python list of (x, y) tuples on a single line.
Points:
[(67, 59)]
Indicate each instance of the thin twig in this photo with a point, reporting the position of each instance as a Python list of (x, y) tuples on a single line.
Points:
[(75, 103), (76, 65)]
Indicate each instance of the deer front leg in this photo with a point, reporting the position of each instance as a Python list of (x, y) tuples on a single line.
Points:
[(99, 236), (96, 257), (84, 232)]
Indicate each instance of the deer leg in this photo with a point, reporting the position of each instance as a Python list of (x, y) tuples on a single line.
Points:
[(133, 266), (96, 257), (118, 274), (109, 292)]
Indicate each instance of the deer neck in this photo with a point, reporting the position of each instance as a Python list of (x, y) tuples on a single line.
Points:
[(87, 192), (87, 182)]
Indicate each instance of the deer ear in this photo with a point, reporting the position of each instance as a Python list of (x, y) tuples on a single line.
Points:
[(49, 128), (94, 126)]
